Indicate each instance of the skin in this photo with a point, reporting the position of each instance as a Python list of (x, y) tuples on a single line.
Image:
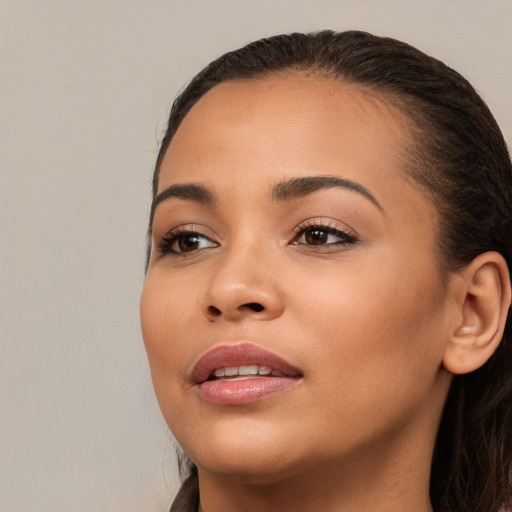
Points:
[(366, 322)]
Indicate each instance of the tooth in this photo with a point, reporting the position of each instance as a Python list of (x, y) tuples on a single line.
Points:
[(264, 370), (277, 373), (219, 372), (232, 370), (248, 370)]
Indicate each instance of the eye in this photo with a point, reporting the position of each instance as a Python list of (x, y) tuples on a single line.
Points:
[(322, 235), (180, 242)]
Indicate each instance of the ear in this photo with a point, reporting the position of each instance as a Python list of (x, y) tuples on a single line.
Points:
[(483, 312)]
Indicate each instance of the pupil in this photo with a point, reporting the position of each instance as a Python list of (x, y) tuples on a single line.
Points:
[(188, 243), (316, 237)]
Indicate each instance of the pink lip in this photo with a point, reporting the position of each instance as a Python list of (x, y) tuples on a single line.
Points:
[(240, 392)]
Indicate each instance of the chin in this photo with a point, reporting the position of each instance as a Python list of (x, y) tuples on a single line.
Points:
[(249, 449)]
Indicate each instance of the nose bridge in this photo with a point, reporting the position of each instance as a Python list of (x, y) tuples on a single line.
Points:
[(241, 284)]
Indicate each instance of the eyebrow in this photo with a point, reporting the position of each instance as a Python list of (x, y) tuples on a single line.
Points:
[(295, 188), (187, 191)]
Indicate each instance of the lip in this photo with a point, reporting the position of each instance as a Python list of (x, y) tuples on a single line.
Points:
[(238, 392)]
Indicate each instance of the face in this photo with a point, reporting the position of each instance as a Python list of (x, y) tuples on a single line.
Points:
[(287, 239)]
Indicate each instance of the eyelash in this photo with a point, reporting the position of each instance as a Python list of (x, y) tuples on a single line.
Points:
[(326, 228), (181, 233)]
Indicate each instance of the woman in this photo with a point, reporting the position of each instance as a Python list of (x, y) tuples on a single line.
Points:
[(327, 287)]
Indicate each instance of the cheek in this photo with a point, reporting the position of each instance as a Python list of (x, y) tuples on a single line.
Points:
[(367, 305), (165, 311), (374, 339), (165, 318)]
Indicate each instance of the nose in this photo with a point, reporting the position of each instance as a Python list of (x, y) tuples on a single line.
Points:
[(242, 286)]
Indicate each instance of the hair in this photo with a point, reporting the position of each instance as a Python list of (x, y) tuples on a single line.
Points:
[(459, 157)]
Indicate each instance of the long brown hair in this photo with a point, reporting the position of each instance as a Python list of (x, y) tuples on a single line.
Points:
[(458, 155)]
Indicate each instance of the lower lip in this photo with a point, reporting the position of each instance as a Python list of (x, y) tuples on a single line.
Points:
[(239, 392)]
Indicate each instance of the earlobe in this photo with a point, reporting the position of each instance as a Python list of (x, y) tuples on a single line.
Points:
[(484, 310)]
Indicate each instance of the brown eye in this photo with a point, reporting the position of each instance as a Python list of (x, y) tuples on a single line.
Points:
[(180, 243), (323, 235), (186, 243), (316, 236)]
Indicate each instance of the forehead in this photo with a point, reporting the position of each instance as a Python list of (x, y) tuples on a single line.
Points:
[(292, 119), (243, 138)]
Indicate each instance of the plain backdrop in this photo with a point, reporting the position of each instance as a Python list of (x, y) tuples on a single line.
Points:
[(85, 88)]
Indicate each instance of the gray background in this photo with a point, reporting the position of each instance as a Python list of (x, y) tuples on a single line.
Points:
[(85, 87)]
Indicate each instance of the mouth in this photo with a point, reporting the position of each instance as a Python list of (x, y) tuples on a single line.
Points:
[(240, 374), (244, 372)]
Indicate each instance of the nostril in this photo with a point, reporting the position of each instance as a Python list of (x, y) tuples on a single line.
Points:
[(255, 306), (214, 311)]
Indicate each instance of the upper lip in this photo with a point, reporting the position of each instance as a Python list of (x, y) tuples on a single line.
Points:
[(239, 355)]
